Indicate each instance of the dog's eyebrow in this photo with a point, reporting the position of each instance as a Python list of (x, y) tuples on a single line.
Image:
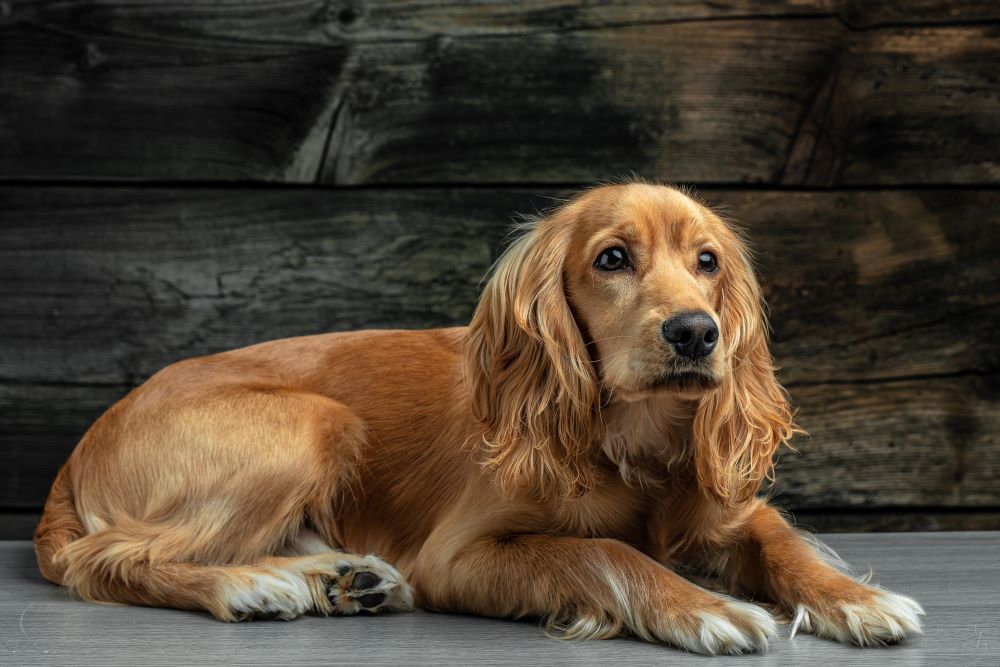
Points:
[(627, 232), (703, 240), (679, 229), (695, 228)]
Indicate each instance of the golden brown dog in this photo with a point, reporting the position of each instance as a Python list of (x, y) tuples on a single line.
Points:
[(608, 416)]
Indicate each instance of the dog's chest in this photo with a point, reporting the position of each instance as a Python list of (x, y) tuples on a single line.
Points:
[(612, 510)]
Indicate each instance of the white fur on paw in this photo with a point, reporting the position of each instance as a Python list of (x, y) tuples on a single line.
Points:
[(887, 618), (368, 583), (284, 595), (745, 628)]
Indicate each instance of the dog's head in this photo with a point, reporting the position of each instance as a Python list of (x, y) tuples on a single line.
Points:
[(625, 293)]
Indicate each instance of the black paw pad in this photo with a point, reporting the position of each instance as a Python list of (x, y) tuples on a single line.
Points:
[(365, 580), (371, 600), (343, 569)]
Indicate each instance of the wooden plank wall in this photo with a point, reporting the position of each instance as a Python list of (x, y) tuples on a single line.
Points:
[(178, 179)]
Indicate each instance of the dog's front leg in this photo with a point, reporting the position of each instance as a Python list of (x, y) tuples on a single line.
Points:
[(773, 559), (588, 588)]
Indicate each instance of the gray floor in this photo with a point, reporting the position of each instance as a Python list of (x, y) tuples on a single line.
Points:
[(955, 575)]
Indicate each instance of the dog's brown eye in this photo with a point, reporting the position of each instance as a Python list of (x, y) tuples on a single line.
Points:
[(613, 259), (707, 263)]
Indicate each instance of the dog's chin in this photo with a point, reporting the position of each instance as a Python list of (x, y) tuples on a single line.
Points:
[(690, 384), (683, 384)]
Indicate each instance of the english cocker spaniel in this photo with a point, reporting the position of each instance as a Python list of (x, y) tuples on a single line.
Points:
[(606, 420)]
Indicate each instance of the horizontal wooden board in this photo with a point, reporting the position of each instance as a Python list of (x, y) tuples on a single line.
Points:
[(816, 93), (870, 286), (418, 18), (319, 21), (906, 442), (876, 520), (883, 304), (18, 525)]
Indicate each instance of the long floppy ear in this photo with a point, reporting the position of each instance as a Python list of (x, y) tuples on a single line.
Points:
[(740, 425), (532, 382)]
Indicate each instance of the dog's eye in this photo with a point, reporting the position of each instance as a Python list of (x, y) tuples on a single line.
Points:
[(707, 263), (613, 259)]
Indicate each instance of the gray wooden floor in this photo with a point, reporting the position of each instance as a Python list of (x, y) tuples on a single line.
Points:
[(955, 575)]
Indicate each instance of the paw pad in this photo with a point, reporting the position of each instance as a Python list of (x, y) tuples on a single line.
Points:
[(371, 600), (369, 585), (365, 580)]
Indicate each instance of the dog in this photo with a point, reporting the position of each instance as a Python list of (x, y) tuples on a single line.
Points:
[(605, 422)]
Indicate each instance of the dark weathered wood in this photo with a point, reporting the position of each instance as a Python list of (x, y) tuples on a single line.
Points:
[(319, 21), (870, 286), (862, 286), (18, 524), (390, 18), (883, 303), (813, 93), (129, 280), (931, 441), (956, 576), (879, 520)]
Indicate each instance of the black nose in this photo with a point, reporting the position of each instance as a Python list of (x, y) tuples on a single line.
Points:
[(693, 334)]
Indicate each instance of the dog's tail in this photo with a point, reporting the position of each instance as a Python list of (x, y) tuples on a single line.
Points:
[(59, 526)]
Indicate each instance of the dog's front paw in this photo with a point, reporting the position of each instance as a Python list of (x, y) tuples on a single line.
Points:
[(868, 617), (731, 627), (369, 584), (330, 583)]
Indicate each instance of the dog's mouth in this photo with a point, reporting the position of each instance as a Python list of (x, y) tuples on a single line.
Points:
[(685, 381), (683, 378), (688, 384)]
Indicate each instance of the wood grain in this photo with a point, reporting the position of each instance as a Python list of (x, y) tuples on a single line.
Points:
[(931, 441), (417, 18), (870, 286), (361, 20), (816, 93), (956, 576), (883, 304), (906, 519)]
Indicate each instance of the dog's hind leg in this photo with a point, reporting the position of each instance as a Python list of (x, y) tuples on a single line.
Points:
[(113, 565), (204, 506)]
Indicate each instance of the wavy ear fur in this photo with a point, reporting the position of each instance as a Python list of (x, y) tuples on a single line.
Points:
[(740, 425), (533, 384)]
